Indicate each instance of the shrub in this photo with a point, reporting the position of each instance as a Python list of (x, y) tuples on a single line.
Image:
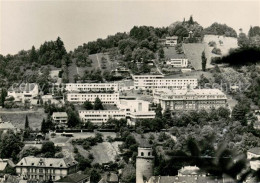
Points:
[(216, 51), (212, 44)]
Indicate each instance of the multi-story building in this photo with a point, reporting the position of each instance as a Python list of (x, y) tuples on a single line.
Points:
[(178, 62), (190, 99), (131, 110), (91, 87), (171, 41), (162, 82), (60, 118), (106, 98), (42, 169), (99, 117), (24, 91)]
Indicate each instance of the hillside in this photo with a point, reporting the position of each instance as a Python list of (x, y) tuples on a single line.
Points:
[(228, 43), (193, 52)]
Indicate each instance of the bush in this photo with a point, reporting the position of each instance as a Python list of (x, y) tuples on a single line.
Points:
[(216, 51), (212, 44)]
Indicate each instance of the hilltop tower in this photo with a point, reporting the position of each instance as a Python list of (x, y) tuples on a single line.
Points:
[(144, 164)]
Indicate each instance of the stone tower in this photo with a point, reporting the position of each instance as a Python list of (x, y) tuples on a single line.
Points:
[(144, 164)]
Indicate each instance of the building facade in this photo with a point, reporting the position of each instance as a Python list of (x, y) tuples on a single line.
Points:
[(98, 117), (162, 82), (178, 62), (171, 41), (132, 110), (190, 99), (106, 98), (24, 91), (44, 169), (60, 118), (91, 87)]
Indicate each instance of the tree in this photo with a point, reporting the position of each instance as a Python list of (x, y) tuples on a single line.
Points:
[(243, 40), (10, 145), (73, 118), (48, 149), (158, 111), (2, 97), (94, 176), (239, 113), (203, 61), (33, 57), (161, 53), (27, 129), (88, 105), (98, 104), (44, 128), (191, 20), (26, 125)]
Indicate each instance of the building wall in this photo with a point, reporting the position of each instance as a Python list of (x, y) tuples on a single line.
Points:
[(106, 98), (43, 173), (144, 164), (192, 104), (181, 62), (153, 82), (91, 87), (100, 116)]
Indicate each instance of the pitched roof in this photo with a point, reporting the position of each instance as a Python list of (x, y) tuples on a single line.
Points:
[(59, 114), (5, 125), (73, 178), (47, 162), (255, 150)]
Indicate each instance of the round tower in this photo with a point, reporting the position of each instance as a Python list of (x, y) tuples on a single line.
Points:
[(144, 164)]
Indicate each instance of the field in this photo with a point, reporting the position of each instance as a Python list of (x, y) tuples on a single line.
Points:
[(17, 117), (228, 42), (193, 52)]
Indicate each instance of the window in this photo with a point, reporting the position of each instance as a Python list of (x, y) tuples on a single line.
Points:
[(149, 153), (41, 170), (142, 154)]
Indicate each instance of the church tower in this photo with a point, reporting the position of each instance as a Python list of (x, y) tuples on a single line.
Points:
[(144, 164)]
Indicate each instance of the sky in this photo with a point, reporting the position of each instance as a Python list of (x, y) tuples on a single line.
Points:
[(25, 23)]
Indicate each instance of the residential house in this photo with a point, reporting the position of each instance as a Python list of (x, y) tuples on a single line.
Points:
[(251, 154), (60, 119), (23, 92), (43, 169)]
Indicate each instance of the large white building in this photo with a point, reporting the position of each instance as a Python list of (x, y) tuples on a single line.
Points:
[(131, 110), (178, 62), (42, 169), (171, 41), (99, 117), (106, 98), (24, 91), (162, 82), (190, 99), (91, 87)]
